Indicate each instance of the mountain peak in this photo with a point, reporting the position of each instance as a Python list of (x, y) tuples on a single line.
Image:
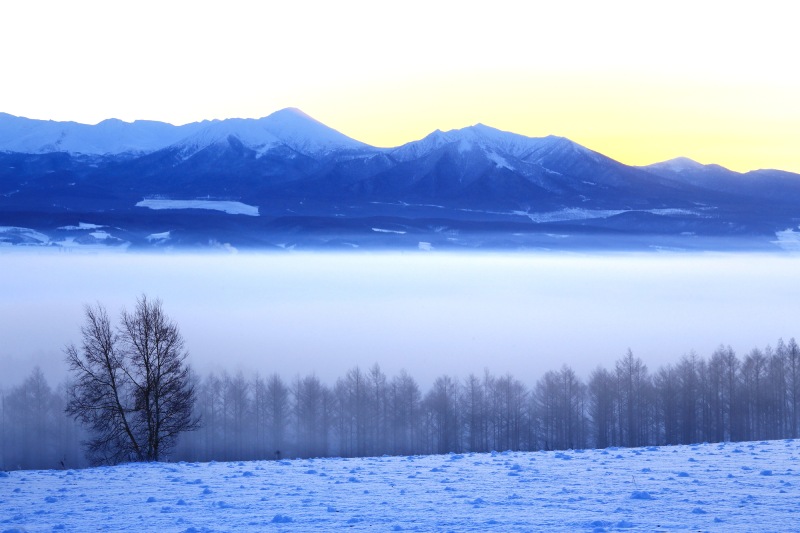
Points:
[(492, 141), (677, 164), (477, 135), (112, 121), (291, 112), (290, 127), (305, 134), (684, 165)]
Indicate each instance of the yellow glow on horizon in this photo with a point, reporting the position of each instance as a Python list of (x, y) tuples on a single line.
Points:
[(633, 119), (638, 81)]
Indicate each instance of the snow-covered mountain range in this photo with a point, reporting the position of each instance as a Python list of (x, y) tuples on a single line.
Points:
[(314, 186), (112, 137)]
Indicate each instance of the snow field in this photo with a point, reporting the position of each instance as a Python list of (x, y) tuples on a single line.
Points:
[(226, 206), (723, 487)]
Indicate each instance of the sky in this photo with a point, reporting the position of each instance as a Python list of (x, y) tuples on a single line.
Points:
[(638, 81)]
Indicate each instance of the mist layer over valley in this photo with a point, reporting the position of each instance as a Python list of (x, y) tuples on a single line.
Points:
[(430, 314), (368, 355)]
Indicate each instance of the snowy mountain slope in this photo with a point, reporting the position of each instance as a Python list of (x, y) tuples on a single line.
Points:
[(751, 486), (289, 126), (689, 171), (679, 165), (111, 136), (249, 132), (768, 184), (480, 163), (310, 180), (467, 139), (308, 136), (499, 146)]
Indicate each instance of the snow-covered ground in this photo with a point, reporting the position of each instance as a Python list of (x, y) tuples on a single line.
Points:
[(11, 234), (574, 213), (788, 239), (226, 206), (723, 487)]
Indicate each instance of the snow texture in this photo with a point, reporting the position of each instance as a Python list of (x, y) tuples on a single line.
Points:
[(159, 237), (788, 239), (679, 164), (16, 235), (290, 127), (492, 142), (709, 487), (381, 230), (82, 226), (226, 206), (575, 213), (111, 136)]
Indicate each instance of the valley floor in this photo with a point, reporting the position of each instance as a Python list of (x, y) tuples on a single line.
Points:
[(724, 487)]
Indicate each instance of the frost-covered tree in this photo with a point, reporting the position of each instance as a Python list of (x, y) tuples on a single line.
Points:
[(667, 388), (473, 401), (131, 384), (441, 403), (404, 409), (278, 412), (313, 414), (633, 382), (793, 379), (351, 412), (377, 415)]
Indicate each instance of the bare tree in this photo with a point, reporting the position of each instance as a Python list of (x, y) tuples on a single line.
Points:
[(31, 439), (602, 398), (237, 404), (312, 409), (666, 383), (377, 417), (754, 388), (278, 412), (132, 385), (209, 395), (687, 381), (511, 394), (474, 403), (405, 398), (633, 381), (549, 419), (793, 378), (351, 393), (442, 405)]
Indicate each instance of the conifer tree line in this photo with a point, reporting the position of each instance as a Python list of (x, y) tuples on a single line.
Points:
[(724, 397)]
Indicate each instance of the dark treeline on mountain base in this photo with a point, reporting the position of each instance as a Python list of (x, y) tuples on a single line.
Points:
[(365, 413)]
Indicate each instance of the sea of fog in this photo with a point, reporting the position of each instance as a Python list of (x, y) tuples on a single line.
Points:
[(430, 314)]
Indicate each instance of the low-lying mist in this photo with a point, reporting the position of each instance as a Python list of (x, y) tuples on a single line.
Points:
[(427, 313)]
